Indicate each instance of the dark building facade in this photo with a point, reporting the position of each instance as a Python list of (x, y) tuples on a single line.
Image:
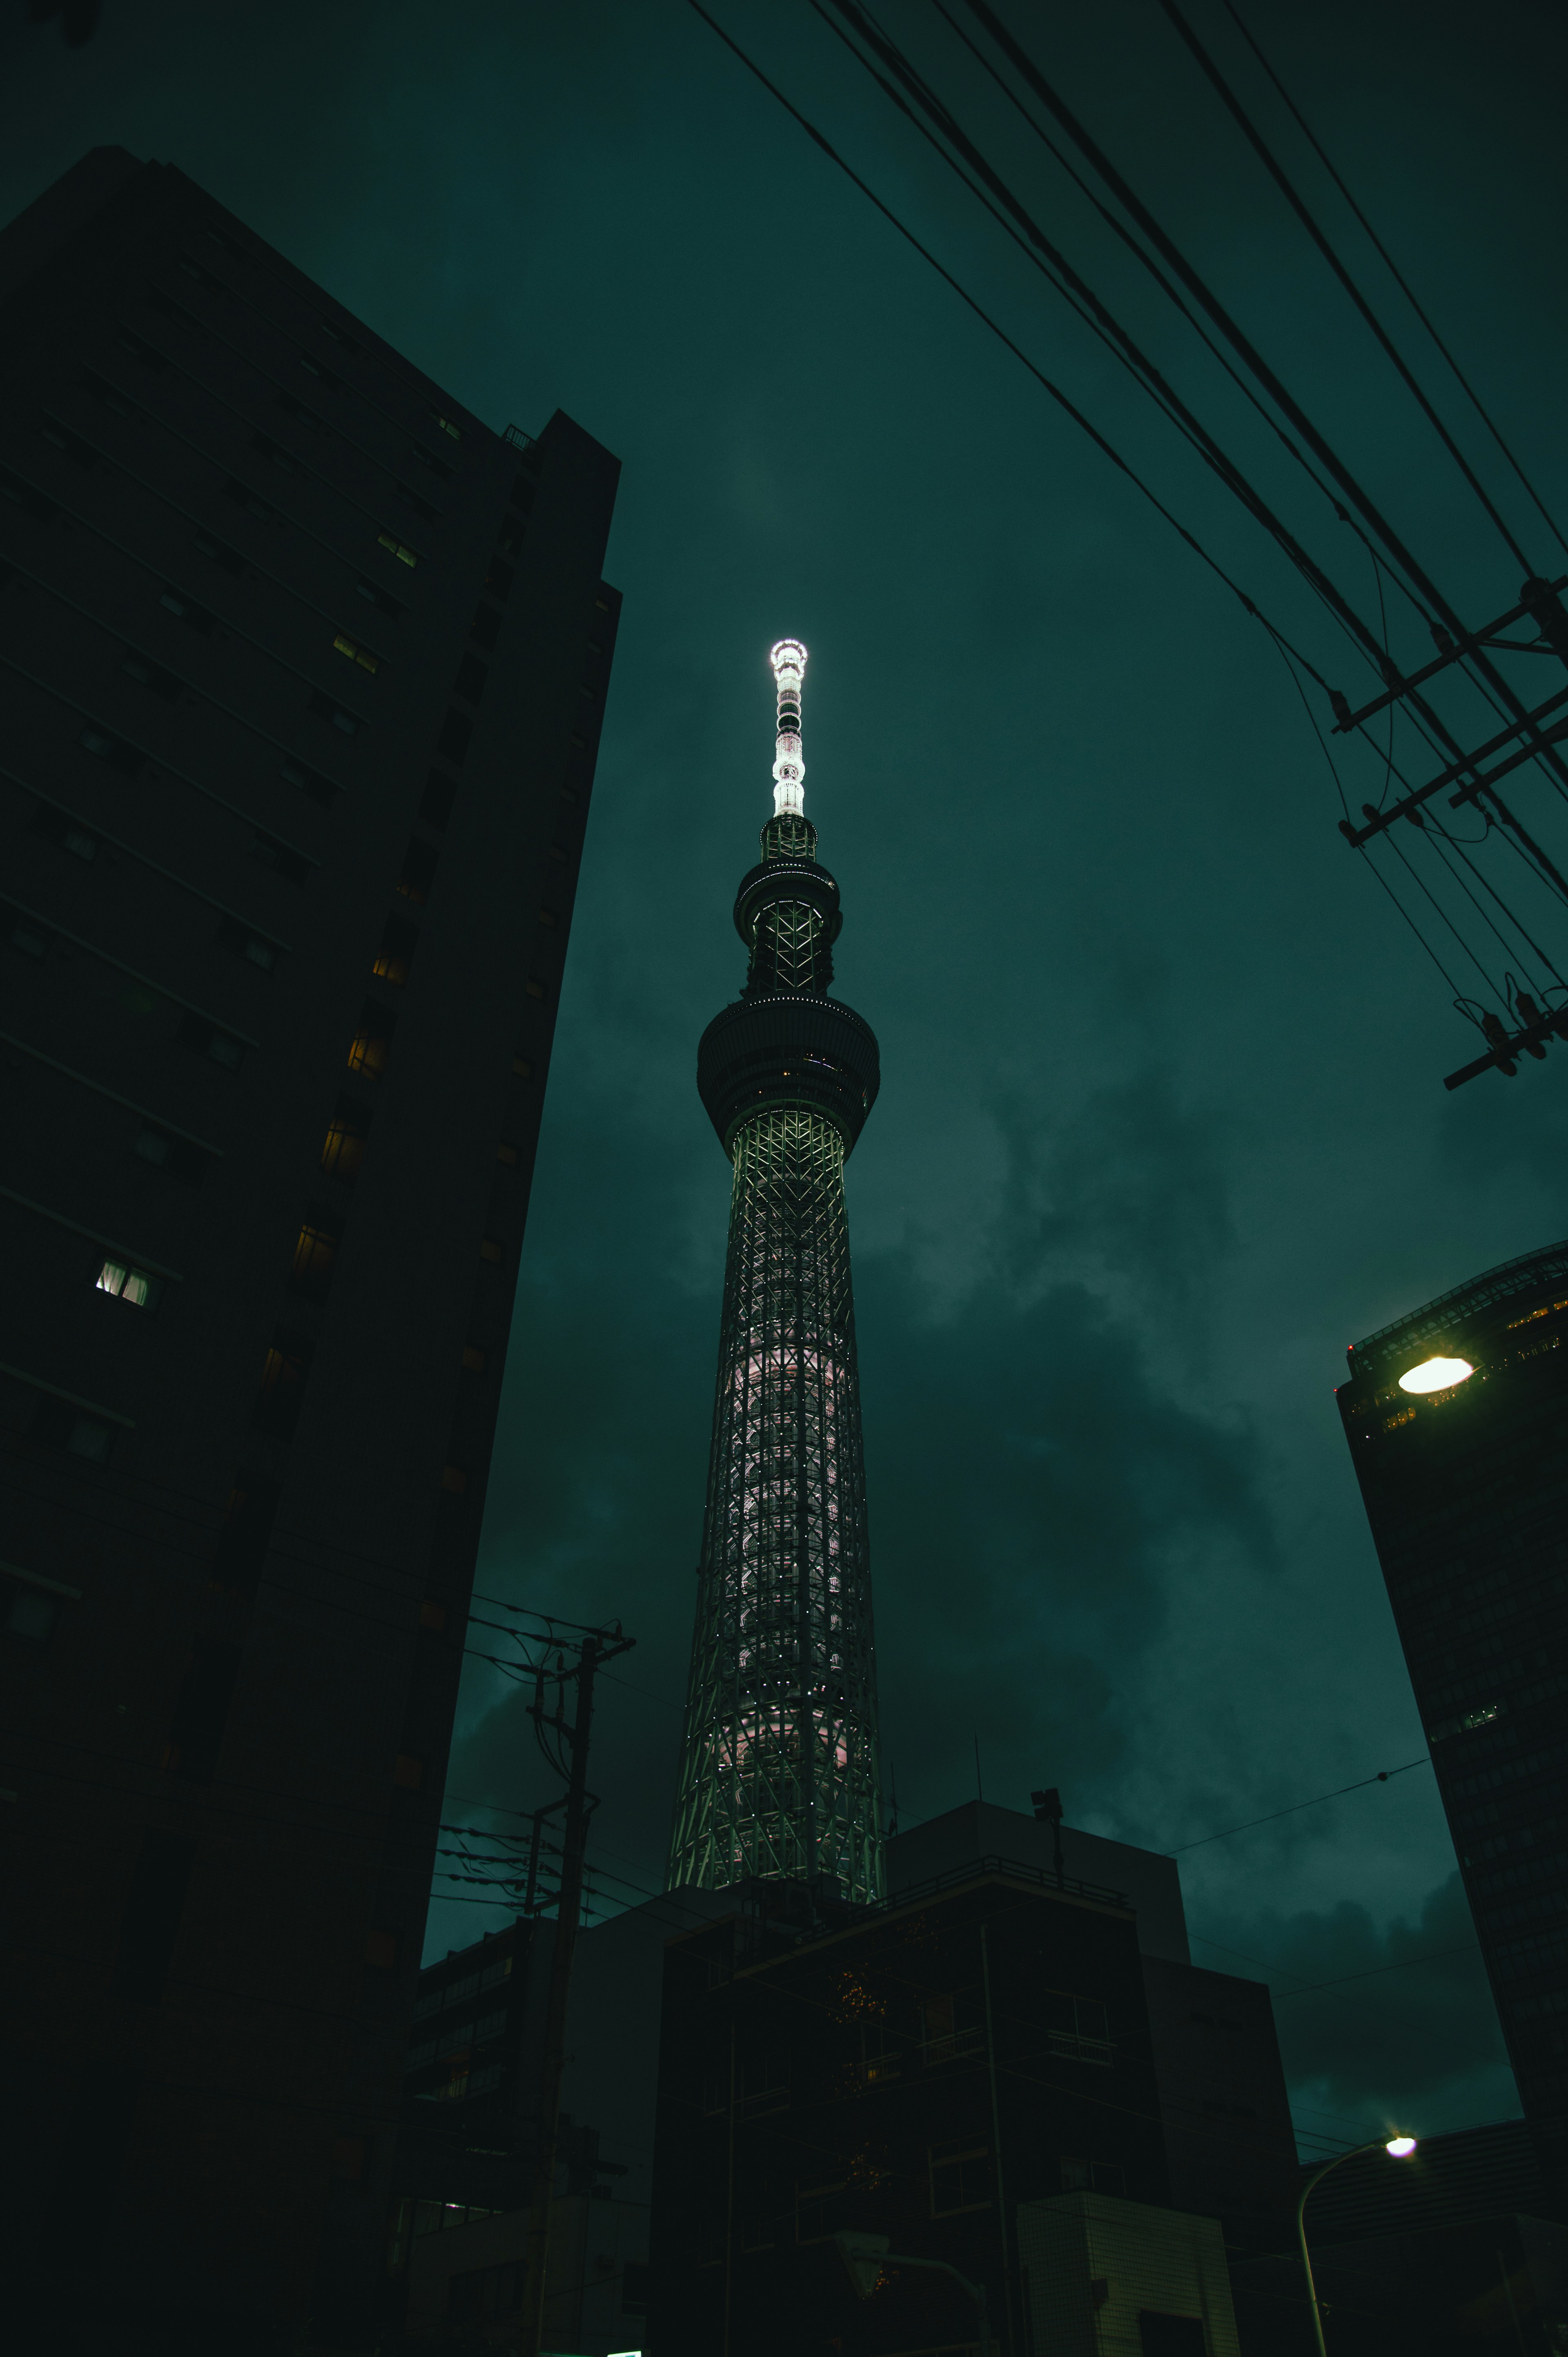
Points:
[(303, 668), (1224, 2109), (1458, 1421), (917, 2069)]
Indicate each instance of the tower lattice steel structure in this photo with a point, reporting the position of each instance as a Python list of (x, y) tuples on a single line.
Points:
[(779, 1771)]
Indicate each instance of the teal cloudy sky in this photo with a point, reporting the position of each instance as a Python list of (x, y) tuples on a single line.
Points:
[(1162, 1125)]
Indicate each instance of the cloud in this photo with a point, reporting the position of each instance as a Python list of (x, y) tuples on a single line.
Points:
[(1416, 2046)]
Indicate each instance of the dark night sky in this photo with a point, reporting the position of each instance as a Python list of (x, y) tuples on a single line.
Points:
[(1162, 1124)]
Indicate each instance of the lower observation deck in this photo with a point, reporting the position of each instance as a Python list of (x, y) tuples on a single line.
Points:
[(792, 1050)]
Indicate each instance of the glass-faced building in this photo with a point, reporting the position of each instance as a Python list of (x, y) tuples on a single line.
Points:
[(1458, 1420)]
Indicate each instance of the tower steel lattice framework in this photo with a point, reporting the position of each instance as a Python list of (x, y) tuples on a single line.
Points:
[(779, 1771)]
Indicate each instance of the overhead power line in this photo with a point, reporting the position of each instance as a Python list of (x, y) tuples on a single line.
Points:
[(1437, 605), (1381, 1777), (1054, 391), (1298, 205), (1394, 269)]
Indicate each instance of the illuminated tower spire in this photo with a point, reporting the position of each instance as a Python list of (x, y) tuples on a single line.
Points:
[(779, 1771)]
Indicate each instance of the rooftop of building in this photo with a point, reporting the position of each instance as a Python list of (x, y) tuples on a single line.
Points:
[(1539, 1274)]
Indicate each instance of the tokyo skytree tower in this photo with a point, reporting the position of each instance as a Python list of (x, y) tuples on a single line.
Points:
[(779, 1771)]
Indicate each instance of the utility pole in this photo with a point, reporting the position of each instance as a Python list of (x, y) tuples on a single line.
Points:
[(598, 1646), (1475, 776)]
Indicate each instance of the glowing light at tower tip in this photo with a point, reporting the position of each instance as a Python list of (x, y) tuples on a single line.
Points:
[(788, 662)]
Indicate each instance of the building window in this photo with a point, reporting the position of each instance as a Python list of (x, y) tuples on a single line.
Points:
[(57, 825), (122, 1283), (1078, 2029), (126, 758), (291, 865), (173, 1153), (85, 456), (148, 354), (765, 2081), (221, 554), (881, 2053), (395, 955), (1083, 2176), (196, 1031), (254, 948), (453, 742), (344, 1149), (471, 677), (959, 2177), (292, 407), (436, 466), (309, 781), (378, 598), (315, 1255), (499, 579), (445, 424), (244, 497), (440, 793), (818, 2210), (507, 1154), (242, 1547), (354, 652), (510, 536), (151, 675), (202, 1711), (174, 601), (30, 1612), (492, 1249), (418, 871), (109, 395), (149, 1924), (951, 2025), (58, 1424), (284, 460), (284, 1371), (395, 547), (372, 1042), (485, 627), (420, 507), (347, 723), (30, 939), (314, 368)]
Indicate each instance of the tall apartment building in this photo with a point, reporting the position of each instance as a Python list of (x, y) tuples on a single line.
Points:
[(302, 668), (1458, 1421)]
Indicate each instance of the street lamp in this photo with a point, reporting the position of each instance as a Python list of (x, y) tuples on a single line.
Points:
[(1398, 2148)]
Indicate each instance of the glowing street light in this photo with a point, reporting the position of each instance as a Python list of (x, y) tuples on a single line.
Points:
[(1399, 2147), (1435, 1375)]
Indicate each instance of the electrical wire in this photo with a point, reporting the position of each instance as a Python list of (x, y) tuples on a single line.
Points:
[(1053, 265), (1309, 222), (1382, 1776), (1394, 269), (1054, 391), (1436, 605)]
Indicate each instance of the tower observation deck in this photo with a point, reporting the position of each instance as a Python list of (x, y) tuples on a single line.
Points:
[(778, 1768)]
